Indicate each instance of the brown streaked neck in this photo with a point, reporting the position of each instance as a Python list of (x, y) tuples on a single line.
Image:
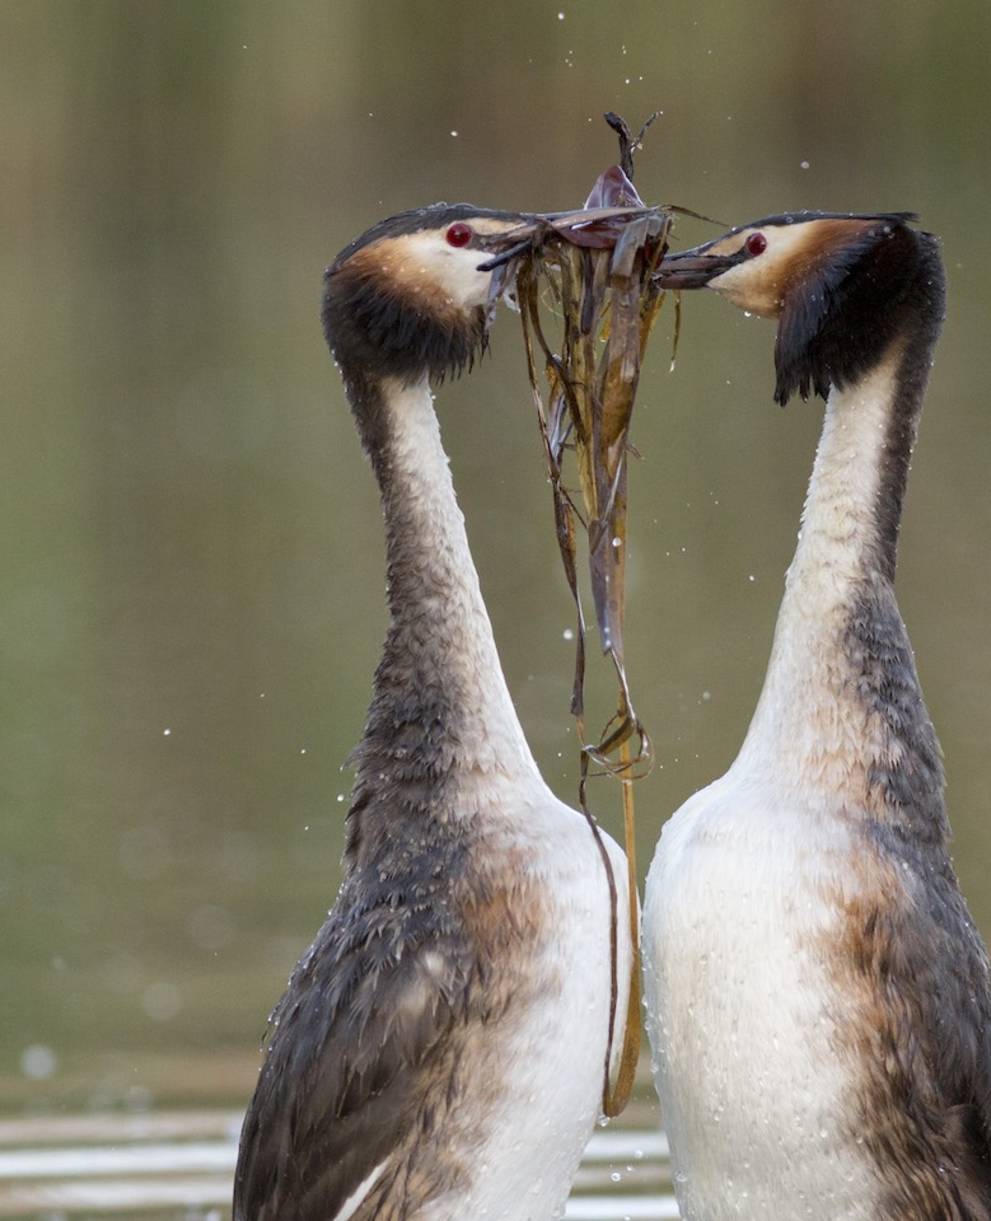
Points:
[(441, 721), (841, 712)]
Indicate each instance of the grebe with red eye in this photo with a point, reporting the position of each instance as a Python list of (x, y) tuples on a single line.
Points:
[(441, 1047), (818, 996)]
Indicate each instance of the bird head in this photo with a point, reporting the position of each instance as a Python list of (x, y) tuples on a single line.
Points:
[(840, 285), (410, 296)]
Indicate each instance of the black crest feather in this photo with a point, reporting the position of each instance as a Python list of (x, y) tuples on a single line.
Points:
[(837, 324), (379, 331)]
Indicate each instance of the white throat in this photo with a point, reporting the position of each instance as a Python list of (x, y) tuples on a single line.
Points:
[(802, 721), (450, 613)]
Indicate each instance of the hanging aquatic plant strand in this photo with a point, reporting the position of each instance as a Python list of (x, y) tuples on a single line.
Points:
[(598, 274), (600, 278)]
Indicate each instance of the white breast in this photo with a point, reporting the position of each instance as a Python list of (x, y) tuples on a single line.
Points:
[(554, 1066), (743, 1013)]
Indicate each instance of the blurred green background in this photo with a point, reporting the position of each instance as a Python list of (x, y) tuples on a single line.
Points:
[(192, 591)]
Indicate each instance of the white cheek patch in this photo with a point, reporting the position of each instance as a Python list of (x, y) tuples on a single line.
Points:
[(757, 284), (748, 287), (445, 271)]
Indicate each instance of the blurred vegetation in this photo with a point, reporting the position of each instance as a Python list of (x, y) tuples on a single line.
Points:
[(192, 594)]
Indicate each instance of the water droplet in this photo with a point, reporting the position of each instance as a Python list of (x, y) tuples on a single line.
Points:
[(805, 165), (568, 634), (38, 1062)]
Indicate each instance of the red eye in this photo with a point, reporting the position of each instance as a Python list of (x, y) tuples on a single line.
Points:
[(756, 243), (459, 234)]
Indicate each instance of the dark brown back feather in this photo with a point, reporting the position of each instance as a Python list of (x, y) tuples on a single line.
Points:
[(366, 1026)]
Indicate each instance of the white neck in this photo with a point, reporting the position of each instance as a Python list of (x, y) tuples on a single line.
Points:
[(439, 620), (808, 723)]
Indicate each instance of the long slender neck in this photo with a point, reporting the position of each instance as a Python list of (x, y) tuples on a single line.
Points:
[(441, 720), (841, 713)]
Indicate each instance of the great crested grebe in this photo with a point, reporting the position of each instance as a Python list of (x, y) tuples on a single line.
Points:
[(818, 995), (439, 1052)]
